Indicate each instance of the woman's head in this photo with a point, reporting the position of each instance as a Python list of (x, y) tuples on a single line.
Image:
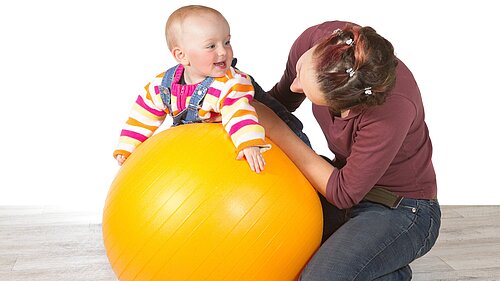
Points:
[(353, 66)]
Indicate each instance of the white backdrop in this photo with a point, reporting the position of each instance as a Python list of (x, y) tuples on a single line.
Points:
[(70, 70)]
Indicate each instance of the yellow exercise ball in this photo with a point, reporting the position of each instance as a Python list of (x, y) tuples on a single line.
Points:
[(183, 208)]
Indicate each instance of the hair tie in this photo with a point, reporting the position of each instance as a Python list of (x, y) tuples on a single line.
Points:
[(368, 91), (338, 31), (350, 71), (349, 42)]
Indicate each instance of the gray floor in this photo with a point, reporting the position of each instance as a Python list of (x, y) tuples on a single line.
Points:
[(40, 243)]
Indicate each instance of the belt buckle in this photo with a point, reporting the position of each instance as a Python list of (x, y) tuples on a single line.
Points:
[(396, 203)]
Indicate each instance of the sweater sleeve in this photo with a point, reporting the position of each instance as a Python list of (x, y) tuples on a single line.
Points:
[(239, 117), (379, 136), (147, 114)]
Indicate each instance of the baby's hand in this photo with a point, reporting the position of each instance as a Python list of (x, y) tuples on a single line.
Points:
[(120, 158), (254, 158)]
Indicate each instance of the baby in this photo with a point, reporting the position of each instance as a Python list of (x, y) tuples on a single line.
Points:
[(203, 87)]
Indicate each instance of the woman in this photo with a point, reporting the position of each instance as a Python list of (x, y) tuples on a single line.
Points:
[(381, 186)]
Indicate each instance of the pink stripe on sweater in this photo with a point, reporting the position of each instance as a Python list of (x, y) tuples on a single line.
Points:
[(240, 125), (134, 135), (141, 102), (213, 92), (230, 101)]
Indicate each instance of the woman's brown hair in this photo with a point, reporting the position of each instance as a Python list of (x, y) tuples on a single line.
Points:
[(355, 66)]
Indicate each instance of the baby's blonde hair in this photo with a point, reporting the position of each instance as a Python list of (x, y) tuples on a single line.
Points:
[(175, 20)]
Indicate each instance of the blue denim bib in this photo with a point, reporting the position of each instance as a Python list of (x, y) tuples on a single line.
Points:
[(190, 113)]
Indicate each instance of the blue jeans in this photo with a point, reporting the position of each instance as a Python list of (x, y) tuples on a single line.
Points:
[(373, 242)]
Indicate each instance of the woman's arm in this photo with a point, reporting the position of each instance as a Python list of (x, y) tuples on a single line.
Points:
[(316, 169)]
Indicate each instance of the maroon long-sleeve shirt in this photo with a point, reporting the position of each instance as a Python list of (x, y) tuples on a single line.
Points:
[(386, 145)]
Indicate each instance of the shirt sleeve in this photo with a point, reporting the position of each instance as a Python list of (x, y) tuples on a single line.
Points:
[(378, 138), (239, 117), (147, 114)]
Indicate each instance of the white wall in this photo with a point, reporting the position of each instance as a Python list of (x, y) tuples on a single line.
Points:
[(69, 71)]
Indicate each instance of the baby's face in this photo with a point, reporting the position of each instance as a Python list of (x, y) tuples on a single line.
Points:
[(205, 39)]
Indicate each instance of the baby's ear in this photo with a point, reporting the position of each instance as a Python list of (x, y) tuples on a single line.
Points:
[(180, 56)]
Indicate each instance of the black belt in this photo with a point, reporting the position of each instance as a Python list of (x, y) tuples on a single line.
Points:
[(384, 197)]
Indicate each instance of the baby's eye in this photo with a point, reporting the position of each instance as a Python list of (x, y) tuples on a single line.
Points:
[(227, 43), (211, 46)]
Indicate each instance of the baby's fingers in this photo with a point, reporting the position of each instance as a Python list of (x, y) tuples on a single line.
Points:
[(121, 159), (258, 163)]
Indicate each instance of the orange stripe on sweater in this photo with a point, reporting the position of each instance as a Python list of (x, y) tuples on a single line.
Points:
[(244, 112), (242, 87), (255, 142), (148, 95), (238, 88), (133, 122), (122, 152), (222, 79)]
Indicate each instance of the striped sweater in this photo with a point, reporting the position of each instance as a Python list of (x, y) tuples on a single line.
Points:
[(228, 97)]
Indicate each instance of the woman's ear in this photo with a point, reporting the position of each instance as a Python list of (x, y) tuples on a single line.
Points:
[(180, 56)]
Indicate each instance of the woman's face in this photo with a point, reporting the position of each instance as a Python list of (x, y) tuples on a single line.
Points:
[(306, 82)]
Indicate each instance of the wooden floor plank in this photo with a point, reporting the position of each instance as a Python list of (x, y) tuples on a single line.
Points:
[(41, 244)]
